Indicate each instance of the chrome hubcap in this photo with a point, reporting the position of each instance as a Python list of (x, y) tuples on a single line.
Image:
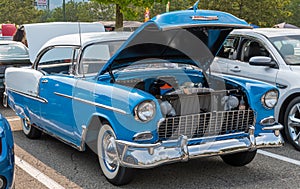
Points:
[(109, 152), (26, 125), (294, 123)]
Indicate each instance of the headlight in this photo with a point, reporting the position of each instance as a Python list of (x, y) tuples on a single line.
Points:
[(269, 99), (145, 111)]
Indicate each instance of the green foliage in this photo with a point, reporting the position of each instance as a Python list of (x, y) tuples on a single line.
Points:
[(18, 11), (264, 13), (80, 11), (295, 13)]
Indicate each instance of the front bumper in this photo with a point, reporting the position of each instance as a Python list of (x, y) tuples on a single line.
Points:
[(134, 155)]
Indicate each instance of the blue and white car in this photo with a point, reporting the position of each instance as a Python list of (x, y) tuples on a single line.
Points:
[(152, 102), (7, 158)]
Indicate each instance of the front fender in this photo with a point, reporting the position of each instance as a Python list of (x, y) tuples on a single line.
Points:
[(254, 91)]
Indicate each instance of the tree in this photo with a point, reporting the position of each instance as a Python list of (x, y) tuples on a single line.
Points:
[(80, 11), (18, 11), (126, 6), (294, 18), (264, 13)]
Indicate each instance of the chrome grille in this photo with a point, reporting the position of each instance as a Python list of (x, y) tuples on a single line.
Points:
[(206, 124)]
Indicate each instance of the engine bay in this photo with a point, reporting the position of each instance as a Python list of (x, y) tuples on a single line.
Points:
[(193, 96)]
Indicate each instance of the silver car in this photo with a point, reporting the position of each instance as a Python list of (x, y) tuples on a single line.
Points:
[(271, 55)]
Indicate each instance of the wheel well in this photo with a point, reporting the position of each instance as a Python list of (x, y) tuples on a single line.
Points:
[(92, 132), (284, 106)]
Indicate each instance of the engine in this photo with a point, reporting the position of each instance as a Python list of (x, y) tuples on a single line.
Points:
[(189, 97)]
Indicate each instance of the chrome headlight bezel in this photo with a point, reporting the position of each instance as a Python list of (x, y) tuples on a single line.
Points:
[(145, 111), (270, 99)]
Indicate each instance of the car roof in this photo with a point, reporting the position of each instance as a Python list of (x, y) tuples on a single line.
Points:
[(86, 38), (269, 32), (3, 42)]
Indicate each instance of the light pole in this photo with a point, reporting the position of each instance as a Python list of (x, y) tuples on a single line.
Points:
[(64, 9)]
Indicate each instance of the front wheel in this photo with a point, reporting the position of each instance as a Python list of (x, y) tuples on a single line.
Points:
[(292, 123), (107, 155), (30, 131), (239, 159)]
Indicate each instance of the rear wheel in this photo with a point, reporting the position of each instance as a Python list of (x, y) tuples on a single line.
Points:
[(107, 155), (30, 131), (239, 159), (292, 123)]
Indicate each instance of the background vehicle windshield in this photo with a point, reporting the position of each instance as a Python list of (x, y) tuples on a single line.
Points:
[(289, 48)]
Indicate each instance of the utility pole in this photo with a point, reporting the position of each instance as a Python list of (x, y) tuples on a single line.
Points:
[(64, 9)]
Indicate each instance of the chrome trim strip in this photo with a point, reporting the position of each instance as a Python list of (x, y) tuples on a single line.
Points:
[(273, 127), (92, 103), (37, 98)]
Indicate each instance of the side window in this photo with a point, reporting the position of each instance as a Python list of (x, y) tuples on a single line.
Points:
[(251, 48), (229, 48), (96, 55), (57, 60)]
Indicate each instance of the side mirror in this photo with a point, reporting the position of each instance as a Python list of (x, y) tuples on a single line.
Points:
[(261, 61)]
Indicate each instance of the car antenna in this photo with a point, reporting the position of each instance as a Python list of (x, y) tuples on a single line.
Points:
[(80, 42)]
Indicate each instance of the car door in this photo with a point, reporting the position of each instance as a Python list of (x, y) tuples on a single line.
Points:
[(238, 63), (56, 87), (89, 94)]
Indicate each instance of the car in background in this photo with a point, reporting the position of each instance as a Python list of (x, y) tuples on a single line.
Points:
[(149, 102), (12, 54), (7, 159), (271, 55), (7, 31)]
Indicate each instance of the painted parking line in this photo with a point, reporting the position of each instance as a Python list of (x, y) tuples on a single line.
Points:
[(13, 118), (38, 175), (279, 157), (15, 123)]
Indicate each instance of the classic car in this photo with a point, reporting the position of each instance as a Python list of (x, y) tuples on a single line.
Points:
[(7, 160), (12, 53), (152, 102), (271, 55)]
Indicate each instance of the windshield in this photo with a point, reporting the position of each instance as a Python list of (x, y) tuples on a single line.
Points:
[(289, 48)]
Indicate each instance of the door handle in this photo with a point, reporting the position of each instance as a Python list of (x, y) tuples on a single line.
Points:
[(45, 81), (235, 69)]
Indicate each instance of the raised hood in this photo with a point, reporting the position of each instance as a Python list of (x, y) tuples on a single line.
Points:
[(38, 34), (192, 37)]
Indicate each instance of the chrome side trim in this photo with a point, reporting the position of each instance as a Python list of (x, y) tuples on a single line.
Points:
[(37, 98), (92, 103)]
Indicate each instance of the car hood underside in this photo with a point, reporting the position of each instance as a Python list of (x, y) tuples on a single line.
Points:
[(192, 37)]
